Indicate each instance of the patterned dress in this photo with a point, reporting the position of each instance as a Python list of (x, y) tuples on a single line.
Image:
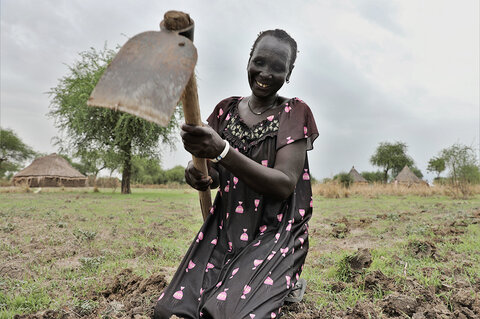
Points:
[(250, 251)]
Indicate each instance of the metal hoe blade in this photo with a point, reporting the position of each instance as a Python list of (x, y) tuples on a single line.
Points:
[(147, 76)]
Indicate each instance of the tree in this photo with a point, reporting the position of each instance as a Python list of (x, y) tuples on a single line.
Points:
[(103, 137), (147, 171), (471, 173), (415, 170), (13, 152), (93, 161), (373, 177), (436, 164), (90, 164), (176, 174), (391, 156), (462, 164)]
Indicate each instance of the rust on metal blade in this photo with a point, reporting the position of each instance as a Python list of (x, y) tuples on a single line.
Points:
[(147, 76)]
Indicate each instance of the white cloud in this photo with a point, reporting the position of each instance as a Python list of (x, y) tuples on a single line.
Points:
[(371, 71)]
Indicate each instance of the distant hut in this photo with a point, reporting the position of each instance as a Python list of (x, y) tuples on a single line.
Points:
[(407, 177), (50, 171), (357, 178)]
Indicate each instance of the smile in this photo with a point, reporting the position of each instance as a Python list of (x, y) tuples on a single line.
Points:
[(261, 84)]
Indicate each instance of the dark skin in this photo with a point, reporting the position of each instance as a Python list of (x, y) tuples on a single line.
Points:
[(268, 69)]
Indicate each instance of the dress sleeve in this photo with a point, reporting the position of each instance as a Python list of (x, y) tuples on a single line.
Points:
[(217, 120), (296, 123)]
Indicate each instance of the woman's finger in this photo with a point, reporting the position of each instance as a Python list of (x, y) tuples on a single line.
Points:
[(195, 129)]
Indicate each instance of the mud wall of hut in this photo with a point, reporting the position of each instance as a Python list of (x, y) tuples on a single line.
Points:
[(49, 182)]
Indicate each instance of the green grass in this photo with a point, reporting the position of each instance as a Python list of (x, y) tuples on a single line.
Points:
[(59, 247), (23, 297)]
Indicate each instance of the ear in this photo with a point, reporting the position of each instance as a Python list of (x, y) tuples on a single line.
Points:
[(289, 73)]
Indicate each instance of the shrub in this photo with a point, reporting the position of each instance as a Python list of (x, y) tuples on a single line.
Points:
[(175, 175), (108, 182), (373, 177), (344, 179)]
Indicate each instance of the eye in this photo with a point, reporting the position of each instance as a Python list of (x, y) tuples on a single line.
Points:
[(278, 68), (258, 62)]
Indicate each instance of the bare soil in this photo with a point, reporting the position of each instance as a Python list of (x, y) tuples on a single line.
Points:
[(51, 242)]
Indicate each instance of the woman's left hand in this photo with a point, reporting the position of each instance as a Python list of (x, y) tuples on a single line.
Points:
[(201, 141)]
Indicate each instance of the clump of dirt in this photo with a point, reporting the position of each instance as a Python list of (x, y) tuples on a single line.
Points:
[(340, 229), (447, 230), (466, 304), (301, 310), (362, 310), (148, 250), (338, 286), (398, 304), (129, 295), (353, 265), (363, 222), (47, 314), (421, 249), (433, 311), (361, 260), (376, 280)]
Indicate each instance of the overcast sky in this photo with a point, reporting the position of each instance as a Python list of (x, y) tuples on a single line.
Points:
[(371, 70)]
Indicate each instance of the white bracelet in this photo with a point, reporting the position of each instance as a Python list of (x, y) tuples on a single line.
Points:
[(222, 154)]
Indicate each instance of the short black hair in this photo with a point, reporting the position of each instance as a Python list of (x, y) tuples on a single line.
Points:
[(282, 36)]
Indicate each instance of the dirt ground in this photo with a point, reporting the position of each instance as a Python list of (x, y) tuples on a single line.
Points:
[(361, 232), (130, 296)]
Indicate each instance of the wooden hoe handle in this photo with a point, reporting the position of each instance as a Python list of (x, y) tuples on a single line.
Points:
[(180, 21)]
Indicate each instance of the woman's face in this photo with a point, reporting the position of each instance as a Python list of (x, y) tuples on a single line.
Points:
[(268, 68)]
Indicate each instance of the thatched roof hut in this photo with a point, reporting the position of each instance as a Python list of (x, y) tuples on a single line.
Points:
[(406, 176), (50, 171), (357, 178)]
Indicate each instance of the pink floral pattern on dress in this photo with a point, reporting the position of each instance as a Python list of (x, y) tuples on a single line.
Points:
[(305, 175), (200, 237), (223, 295), (256, 263), (268, 281), (239, 208), (234, 272), (179, 294), (272, 254), (235, 181), (244, 235), (209, 266), (191, 265), (227, 187), (301, 212), (246, 291)]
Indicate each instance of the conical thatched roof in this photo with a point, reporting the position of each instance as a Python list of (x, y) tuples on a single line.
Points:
[(50, 165), (50, 170), (407, 176), (357, 178)]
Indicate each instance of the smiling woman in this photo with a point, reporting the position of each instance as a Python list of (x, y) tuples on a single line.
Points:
[(249, 254)]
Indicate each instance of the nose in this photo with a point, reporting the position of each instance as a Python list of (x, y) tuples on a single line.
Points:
[(266, 74)]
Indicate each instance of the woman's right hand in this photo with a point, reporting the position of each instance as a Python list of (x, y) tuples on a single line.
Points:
[(196, 179)]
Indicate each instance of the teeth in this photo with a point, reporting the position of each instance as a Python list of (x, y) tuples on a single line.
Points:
[(262, 85)]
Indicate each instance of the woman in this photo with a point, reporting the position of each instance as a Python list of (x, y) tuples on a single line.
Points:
[(250, 251)]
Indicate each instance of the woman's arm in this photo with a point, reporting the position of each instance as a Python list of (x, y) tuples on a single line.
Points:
[(278, 181)]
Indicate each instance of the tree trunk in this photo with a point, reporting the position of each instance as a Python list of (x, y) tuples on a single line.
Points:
[(385, 177), (127, 170)]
